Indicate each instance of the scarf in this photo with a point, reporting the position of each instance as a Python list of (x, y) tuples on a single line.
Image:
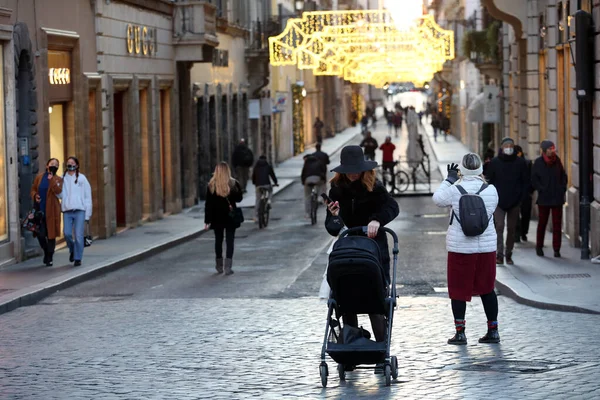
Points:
[(550, 160)]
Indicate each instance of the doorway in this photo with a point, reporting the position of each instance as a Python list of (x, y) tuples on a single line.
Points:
[(119, 160)]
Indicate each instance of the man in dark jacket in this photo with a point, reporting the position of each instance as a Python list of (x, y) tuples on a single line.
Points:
[(321, 155), (550, 180), (314, 173), (525, 218), (370, 145), (242, 159), (262, 174), (510, 175)]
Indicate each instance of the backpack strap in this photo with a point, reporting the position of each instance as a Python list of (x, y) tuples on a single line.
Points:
[(462, 189), (482, 188), (462, 192)]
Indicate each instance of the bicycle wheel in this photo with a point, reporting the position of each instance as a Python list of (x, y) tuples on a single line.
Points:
[(402, 181), (261, 214), (313, 209)]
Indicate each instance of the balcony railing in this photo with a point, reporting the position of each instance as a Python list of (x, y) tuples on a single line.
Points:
[(260, 33), (194, 27)]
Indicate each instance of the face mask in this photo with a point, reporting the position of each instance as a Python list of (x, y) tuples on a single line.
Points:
[(71, 167), (53, 170), (508, 151)]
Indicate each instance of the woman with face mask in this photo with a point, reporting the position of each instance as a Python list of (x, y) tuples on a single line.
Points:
[(45, 192), (76, 208)]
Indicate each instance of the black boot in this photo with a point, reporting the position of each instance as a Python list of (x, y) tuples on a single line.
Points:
[(459, 338), (492, 336), (557, 253), (539, 251)]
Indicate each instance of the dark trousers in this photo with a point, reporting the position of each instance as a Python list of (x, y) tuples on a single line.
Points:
[(377, 324), (523, 223), (544, 215), (389, 166), (48, 245), (511, 217), (229, 234)]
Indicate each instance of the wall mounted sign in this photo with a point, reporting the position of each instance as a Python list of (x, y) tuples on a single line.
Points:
[(142, 40), (60, 76)]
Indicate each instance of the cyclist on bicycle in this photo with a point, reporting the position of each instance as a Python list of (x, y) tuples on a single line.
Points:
[(262, 174), (388, 163), (314, 173)]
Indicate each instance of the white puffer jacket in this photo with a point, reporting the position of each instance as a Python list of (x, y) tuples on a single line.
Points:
[(448, 195)]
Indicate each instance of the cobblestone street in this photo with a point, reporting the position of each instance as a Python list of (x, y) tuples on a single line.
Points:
[(168, 328)]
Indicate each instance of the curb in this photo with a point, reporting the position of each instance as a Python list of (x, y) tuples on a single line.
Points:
[(41, 291), (507, 291)]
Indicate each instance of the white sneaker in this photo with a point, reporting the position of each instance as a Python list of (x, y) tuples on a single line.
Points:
[(596, 260)]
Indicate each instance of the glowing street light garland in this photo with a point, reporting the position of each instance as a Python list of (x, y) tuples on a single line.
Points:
[(363, 46)]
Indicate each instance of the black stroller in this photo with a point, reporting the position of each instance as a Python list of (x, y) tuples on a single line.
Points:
[(358, 286)]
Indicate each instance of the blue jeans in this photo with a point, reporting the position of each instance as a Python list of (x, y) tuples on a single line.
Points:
[(74, 222)]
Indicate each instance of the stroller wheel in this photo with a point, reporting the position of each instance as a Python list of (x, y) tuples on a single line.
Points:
[(323, 372), (341, 372), (387, 372), (394, 367)]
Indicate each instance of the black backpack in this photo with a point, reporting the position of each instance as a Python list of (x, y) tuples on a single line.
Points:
[(473, 214)]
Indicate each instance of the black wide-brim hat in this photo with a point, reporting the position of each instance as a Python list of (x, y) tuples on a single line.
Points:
[(353, 161)]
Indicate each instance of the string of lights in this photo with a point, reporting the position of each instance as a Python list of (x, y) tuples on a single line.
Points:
[(363, 46)]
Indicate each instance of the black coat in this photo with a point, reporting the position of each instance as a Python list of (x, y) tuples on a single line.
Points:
[(216, 209), (370, 145), (358, 207), (313, 167), (242, 156), (510, 176), (550, 181), (322, 156), (262, 173)]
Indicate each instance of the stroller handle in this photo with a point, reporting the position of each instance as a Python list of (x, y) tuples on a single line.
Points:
[(364, 230)]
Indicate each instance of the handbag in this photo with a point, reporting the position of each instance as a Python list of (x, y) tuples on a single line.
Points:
[(236, 215), (33, 220), (87, 239)]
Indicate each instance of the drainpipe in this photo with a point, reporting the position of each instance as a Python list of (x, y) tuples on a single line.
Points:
[(584, 68)]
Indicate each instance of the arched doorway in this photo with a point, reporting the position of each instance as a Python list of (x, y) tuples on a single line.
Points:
[(28, 162)]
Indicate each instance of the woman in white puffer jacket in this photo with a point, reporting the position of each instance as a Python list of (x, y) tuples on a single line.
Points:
[(471, 259)]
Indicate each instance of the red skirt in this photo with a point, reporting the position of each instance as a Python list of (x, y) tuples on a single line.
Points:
[(471, 274)]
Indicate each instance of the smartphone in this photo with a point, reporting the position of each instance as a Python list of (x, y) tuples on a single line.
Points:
[(326, 198)]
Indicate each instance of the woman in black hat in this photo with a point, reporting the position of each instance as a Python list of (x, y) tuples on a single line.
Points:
[(358, 199)]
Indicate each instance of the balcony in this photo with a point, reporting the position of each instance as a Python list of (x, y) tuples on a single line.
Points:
[(484, 50), (257, 52), (194, 30)]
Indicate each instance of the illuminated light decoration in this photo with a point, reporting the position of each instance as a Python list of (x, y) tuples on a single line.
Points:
[(59, 76), (363, 46)]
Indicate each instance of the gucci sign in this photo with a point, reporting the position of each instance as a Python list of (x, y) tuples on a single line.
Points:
[(59, 76), (141, 40)]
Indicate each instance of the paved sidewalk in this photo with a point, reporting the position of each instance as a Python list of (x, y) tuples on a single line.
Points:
[(27, 282), (564, 284)]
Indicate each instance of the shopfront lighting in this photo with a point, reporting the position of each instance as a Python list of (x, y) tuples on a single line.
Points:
[(299, 5), (303, 92), (50, 110), (363, 46)]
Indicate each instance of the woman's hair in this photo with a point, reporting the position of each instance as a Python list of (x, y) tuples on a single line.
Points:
[(220, 183), (52, 159), (471, 161), (77, 164), (367, 178)]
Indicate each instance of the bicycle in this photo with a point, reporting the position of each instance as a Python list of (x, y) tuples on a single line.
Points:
[(398, 183), (264, 207), (314, 204)]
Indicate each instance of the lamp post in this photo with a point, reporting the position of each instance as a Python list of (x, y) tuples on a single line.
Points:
[(584, 70)]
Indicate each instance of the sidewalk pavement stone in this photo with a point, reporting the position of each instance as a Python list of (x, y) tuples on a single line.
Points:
[(26, 283), (565, 284)]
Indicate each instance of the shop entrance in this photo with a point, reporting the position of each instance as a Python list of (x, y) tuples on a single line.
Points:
[(119, 160)]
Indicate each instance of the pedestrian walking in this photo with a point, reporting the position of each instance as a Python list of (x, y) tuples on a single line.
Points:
[(510, 175), (389, 116), (471, 244), (397, 122), (318, 128), (445, 126), (262, 174), (77, 209), (550, 180), (242, 159), (222, 215), (435, 125), (526, 203), (388, 163), (370, 145), (358, 199), (314, 173), (364, 123), (45, 193)]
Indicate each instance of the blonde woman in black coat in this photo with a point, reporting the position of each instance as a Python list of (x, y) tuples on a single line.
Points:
[(221, 197)]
